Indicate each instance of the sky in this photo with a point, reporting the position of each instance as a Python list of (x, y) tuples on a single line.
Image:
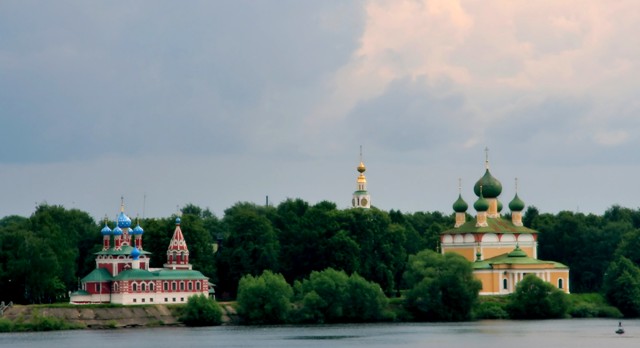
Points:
[(211, 103)]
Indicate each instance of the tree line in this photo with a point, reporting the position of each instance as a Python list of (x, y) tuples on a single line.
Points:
[(43, 256)]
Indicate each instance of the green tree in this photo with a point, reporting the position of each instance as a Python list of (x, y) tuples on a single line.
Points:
[(265, 299), (201, 311), (441, 287), (250, 247), (622, 286), (331, 296), (536, 299)]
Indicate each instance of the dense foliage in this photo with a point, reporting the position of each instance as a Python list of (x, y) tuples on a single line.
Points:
[(201, 311), (536, 299), (440, 287), (43, 256), (265, 299)]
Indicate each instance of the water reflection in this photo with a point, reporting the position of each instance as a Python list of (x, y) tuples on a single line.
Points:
[(582, 333)]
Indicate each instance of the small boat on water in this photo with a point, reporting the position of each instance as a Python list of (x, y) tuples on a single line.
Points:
[(620, 330)]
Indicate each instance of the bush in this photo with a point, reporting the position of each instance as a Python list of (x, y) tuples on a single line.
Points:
[(490, 310), (591, 305), (201, 311), (621, 286), (441, 288), (536, 299), (331, 296), (265, 299)]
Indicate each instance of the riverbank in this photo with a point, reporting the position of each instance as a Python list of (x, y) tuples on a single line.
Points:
[(46, 318)]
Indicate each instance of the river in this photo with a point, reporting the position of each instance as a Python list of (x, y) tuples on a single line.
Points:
[(582, 333)]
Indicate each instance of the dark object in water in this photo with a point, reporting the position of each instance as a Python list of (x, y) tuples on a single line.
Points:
[(620, 330)]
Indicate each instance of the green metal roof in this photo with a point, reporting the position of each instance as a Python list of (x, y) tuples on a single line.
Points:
[(80, 293), (163, 274), (495, 225), (98, 275), (514, 257), (126, 250)]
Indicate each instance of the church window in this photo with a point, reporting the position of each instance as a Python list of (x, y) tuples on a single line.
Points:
[(134, 287), (560, 283), (190, 286), (143, 287), (181, 286), (504, 284), (173, 286), (135, 300), (151, 286), (166, 286), (142, 300), (198, 286), (151, 299), (116, 287)]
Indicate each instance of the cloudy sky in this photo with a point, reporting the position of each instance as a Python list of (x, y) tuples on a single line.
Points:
[(214, 102)]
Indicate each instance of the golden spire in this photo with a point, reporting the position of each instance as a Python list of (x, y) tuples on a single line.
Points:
[(122, 204)]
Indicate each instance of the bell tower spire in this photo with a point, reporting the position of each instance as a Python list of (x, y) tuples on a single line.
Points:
[(361, 198)]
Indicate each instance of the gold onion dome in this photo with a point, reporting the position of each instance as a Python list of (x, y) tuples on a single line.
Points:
[(491, 187), (361, 168), (460, 206)]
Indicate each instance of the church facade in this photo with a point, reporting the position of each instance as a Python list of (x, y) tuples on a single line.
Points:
[(502, 251), (123, 276)]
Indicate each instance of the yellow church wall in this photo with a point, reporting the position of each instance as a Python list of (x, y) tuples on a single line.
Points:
[(490, 283), (555, 276), (467, 252)]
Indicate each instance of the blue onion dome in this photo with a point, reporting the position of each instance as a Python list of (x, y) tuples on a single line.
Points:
[(123, 220), (516, 204), (460, 206), (135, 253), (117, 231), (499, 206), (137, 230), (178, 220), (491, 187), (105, 230)]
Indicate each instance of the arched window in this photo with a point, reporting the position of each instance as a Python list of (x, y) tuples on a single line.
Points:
[(116, 287), (151, 286), (166, 286), (173, 286), (560, 283), (190, 286), (134, 287), (143, 287), (181, 286), (198, 286), (504, 284)]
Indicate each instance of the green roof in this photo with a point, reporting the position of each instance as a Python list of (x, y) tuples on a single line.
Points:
[(80, 293), (135, 274), (98, 275), (495, 225), (126, 250), (163, 274), (514, 257)]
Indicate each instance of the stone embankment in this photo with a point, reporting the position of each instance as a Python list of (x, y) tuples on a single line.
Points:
[(117, 317)]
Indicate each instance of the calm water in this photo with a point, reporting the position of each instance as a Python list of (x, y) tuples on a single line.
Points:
[(583, 333)]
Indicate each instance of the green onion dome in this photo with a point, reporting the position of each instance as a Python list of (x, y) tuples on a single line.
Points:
[(481, 204), (491, 187), (517, 252), (460, 206), (516, 204), (499, 206)]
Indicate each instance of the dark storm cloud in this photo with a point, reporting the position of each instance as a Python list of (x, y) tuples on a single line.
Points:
[(411, 115), (86, 79)]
